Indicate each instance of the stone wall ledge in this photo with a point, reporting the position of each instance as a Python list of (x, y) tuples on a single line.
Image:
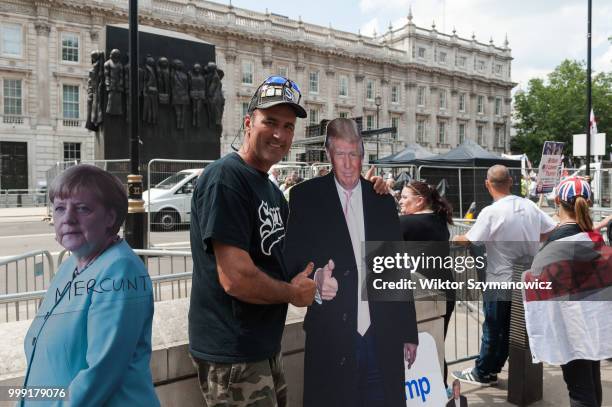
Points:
[(173, 372)]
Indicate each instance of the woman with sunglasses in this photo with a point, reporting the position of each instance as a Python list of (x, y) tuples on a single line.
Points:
[(568, 314), (425, 217)]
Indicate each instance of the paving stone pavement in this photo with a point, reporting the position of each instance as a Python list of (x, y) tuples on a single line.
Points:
[(555, 391)]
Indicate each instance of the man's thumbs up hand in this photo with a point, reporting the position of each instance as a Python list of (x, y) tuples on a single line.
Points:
[(326, 284), (303, 287)]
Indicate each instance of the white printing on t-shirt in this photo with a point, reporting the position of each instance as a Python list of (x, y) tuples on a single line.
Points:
[(271, 230)]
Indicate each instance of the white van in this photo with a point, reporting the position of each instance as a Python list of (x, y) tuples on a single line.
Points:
[(169, 202)]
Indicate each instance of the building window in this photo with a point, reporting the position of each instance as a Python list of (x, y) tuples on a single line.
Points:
[(247, 73), (70, 47), (343, 85), (480, 134), (343, 115), (70, 102), (11, 40), (394, 94), (421, 96), (498, 69), (442, 133), (499, 136), (72, 151), (442, 99), (245, 109), (313, 116), (372, 157), (481, 65), (395, 124), (283, 71), (422, 52), (462, 102), (442, 57), (420, 131), (461, 61), (12, 97), (370, 90), (461, 133), (480, 105), (369, 122), (313, 82), (498, 106)]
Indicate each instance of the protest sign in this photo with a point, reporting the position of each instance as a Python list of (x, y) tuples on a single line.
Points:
[(424, 385), (550, 165)]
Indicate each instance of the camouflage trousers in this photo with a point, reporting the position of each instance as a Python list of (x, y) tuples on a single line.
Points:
[(253, 384)]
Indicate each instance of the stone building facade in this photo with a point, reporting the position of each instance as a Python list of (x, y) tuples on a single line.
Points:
[(435, 88)]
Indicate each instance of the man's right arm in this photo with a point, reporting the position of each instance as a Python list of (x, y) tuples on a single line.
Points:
[(241, 278)]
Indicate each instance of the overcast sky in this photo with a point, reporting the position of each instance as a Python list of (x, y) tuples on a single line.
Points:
[(541, 32)]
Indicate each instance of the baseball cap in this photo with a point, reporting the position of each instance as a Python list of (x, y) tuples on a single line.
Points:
[(277, 90), (570, 188)]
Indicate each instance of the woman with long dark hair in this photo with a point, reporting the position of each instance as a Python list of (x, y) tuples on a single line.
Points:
[(425, 218)]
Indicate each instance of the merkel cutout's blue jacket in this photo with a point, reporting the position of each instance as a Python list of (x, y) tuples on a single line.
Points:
[(92, 334)]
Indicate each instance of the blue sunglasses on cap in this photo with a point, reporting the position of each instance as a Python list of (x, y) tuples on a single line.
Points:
[(277, 90)]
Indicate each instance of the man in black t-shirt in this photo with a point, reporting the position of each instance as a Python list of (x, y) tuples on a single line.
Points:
[(240, 286)]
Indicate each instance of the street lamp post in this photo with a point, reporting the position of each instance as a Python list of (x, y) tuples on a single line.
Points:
[(589, 102), (134, 230), (377, 102)]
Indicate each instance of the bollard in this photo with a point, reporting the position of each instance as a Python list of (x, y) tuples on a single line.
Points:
[(525, 378), (134, 229)]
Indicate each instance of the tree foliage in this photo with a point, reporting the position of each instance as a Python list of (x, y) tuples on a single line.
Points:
[(556, 109)]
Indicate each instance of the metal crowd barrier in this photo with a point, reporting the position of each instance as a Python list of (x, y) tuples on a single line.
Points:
[(463, 337), (164, 286), (168, 270), (460, 227), (163, 289), (31, 271), (464, 183), (22, 198), (301, 169), (601, 182), (171, 275), (157, 262)]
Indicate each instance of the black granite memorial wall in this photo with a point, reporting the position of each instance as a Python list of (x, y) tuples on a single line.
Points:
[(168, 99)]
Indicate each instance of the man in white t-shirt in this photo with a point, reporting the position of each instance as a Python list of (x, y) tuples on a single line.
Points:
[(510, 229)]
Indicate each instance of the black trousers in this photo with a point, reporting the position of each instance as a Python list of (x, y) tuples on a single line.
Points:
[(583, 379)]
